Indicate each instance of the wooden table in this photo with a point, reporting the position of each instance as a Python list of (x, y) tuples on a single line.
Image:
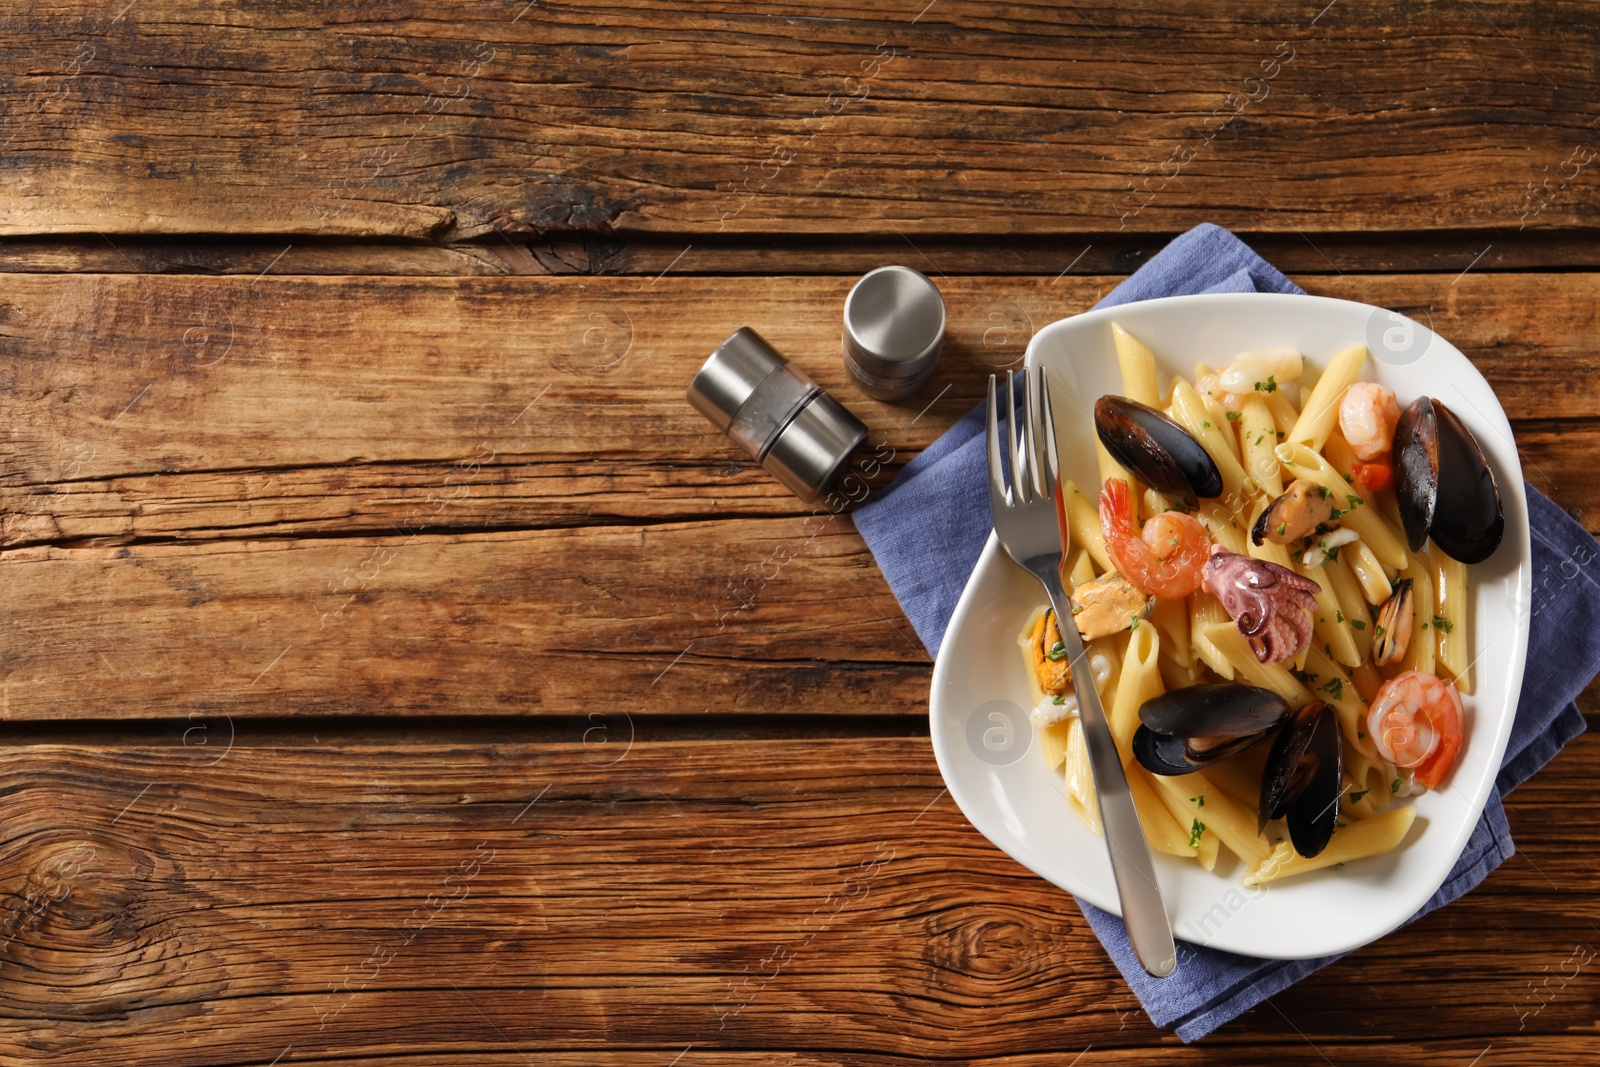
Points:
[(398, 671)]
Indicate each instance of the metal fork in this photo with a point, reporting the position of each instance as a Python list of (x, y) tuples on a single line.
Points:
[(1030, 520)]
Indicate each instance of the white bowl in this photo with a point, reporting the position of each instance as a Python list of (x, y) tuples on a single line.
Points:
[(1017, 803)]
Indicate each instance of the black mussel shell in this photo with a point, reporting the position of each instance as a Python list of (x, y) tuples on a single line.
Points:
[(1166, 754), (1157, 450), (1161, 753), (1303, 778), (1444, 485), (1225, 709)]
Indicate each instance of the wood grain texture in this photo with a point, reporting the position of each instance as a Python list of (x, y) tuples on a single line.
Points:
[(384, 119), (307, 496), (190, 904), (652, 255)]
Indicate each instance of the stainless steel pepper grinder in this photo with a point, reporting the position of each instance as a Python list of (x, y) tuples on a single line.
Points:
[(773, 411)]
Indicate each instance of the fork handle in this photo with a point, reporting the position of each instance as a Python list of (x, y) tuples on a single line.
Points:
[(1149, 929)]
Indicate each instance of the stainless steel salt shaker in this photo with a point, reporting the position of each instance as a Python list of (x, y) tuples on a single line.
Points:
[(893, 331), (778, 415)]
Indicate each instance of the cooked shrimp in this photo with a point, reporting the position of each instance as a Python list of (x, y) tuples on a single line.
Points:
[(1166, 559), (1367, 415), (1415, 722), (1261, 370)]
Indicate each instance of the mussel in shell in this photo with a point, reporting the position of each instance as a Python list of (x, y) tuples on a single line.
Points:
[(1186, 729), (1157, 450), (1303, 778), (1443, 484), (1303, 509), (1393, 630)]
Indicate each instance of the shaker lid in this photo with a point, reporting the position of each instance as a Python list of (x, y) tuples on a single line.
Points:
[(894, 323)]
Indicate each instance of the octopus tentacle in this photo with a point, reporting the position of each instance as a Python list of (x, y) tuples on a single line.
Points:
[(1271, 605)]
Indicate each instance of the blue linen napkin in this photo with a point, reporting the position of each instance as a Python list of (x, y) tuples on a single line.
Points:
[(927, 529)]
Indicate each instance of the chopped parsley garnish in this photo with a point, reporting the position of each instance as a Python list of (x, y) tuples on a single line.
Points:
[(1355, 797), (1333, 552), (1338, 616), (1334, 687), (1077, 609), (1061, 698), (1233, 416), (1377, 631), (1206, 424), (1307, 677), (1442, 623), (1133, 623), (1283, 528), (1394, 786), (1198, 802), (1353, 500), (1268, 386), (1260, 437), (1195, 831), (1358, 624), (1059, 652)]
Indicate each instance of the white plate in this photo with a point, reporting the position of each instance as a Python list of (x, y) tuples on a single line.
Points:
[(1004, 788)]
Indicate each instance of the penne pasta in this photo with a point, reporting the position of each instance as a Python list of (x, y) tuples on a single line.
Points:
[(1283, 412), (1053, 743), (1138, 365), (1450, 617), (1368, 524), (1334, 686), (1274, 676), (1352, 605), (1171, 617), (1340, 456), (1138, 681), (1217, 813), (1355, 841), (1160, 828), (1191, 414), (1419, 654), (1332, 629), (1110, 468), (1321, 410), (1175, 675), (1368, 572), (1224, 526), (1258, 442), (1079, 781), (1188, 812), (1083, 519)]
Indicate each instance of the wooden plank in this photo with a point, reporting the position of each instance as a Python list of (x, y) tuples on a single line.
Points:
[(725, 617), (181, 905), (967, 118)]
